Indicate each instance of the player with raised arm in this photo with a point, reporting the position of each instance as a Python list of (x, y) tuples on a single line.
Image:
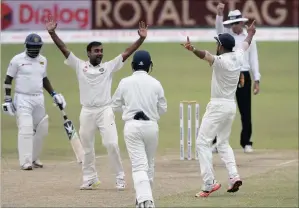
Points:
[(221, 110), (95, 80), (29, 69), (235, 25)]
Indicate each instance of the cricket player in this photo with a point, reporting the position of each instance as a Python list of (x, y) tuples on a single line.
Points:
[(95, 79), (29, 69), (221, 110), (235, 26), (141, 98)]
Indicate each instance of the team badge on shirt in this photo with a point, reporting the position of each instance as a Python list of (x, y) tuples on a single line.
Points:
[(101, 70), (85, 69)]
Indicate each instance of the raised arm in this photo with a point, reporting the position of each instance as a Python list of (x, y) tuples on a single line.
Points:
[(202, 54), (142, 32), (251, 31), (219, 19), (51, 25)]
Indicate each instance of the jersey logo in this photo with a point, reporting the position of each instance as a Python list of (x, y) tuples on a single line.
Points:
[(101, 70), (26, 64), (85, 69)]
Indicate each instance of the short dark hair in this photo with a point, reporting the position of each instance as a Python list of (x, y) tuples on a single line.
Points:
[(92, 44)]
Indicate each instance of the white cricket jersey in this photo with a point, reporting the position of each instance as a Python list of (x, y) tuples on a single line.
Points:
[(226, 73), (28, 73), (251, 61), (140, 92), (95, 81)]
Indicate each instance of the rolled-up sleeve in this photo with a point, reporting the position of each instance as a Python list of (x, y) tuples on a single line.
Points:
[(162, 102), (116, 64), (217, 63), (253, 60)]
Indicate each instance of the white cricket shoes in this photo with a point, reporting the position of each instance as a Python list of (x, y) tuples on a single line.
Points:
[(234, 184), (120, 184), (26, 167), (248, 149), (90, 185), (37, 164), (145, 204)]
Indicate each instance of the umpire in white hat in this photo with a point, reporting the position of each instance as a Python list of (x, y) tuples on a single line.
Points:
[(235, 25)]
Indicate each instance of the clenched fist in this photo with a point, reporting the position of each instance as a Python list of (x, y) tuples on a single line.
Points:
[(220, 8)]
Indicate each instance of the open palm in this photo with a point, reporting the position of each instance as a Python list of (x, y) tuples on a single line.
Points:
[(51, 24), (142, 31)]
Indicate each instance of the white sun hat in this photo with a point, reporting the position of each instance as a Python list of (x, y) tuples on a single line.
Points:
[(235, 16)]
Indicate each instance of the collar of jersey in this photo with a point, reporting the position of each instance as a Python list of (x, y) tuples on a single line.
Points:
[(139, 72), (90, 65), (29, 58)]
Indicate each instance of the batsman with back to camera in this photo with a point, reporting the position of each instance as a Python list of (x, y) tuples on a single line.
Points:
[(95, 80), (141, 98), (221, 110), (29, 69), (235, 26)]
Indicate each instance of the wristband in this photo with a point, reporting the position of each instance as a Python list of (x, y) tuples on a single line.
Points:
[(53, 93), (7, 98), (7, 86)]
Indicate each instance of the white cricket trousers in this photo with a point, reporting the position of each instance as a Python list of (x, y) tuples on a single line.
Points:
[(102, 119), (141, 139), (30, 112), (217, 120)]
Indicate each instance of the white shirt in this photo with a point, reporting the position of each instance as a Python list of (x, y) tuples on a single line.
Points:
[(251, 61), (94, 81), (226, 73), (28, 73), (140, 92)]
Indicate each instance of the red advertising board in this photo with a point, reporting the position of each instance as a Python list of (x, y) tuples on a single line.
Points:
[(116, 14), (31, 15)]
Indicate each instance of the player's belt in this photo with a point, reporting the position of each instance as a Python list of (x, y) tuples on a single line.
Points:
[(29, 94), (141, 116)]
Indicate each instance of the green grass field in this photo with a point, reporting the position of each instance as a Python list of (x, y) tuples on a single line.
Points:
[(184, 77)]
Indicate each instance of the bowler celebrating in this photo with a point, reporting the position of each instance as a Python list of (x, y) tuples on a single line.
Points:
[(95, 79), (235, 26), (29, 69), (221, 110), (141, 98)]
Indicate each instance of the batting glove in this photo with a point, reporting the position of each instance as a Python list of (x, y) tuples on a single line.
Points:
[(59, 100), (8, 107)]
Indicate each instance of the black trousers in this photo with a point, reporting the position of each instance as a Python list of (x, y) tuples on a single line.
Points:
[(243, 96)]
